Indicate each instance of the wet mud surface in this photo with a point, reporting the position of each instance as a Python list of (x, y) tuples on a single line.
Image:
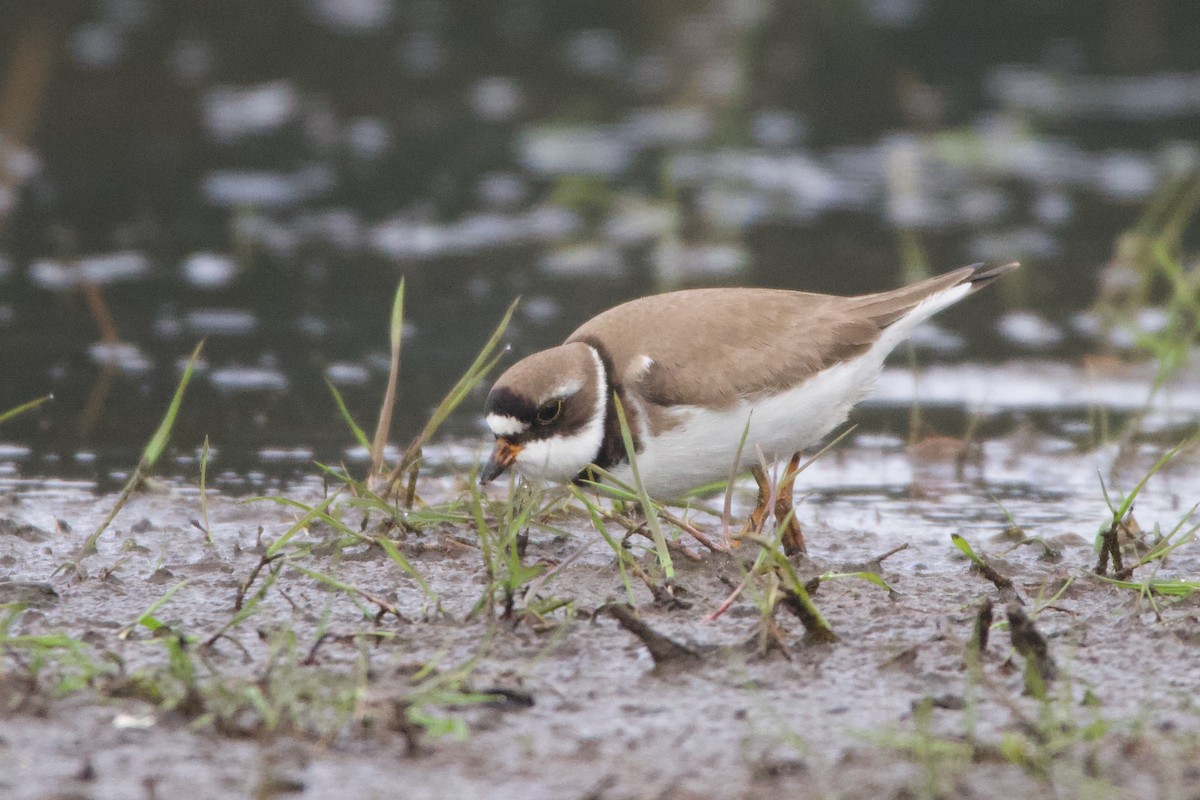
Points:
[(317, 688), (260, 176)]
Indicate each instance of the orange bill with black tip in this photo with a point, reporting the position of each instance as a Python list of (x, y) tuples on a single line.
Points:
[(503, 456)]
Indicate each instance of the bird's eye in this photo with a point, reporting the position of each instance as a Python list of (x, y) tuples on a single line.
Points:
[(548, 412)]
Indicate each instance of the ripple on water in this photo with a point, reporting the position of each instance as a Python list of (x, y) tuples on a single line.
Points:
[(594, 51), (248, 379), (105, 268), (266, 188), (402, 238), (504, 190), (1030, 243), (1084, 97), (209, 270), (97, 45), (541, 310), (676, 262), (1037, 385), (221, 322), (232, 113), (126, 357), (663, 126), (599, 151), (497, 98), (341, 228), (456, 455), (285, 455), (51, 489), (345, 373), (13, 452), (1029, 330), (352, 16), (634, 220), (361, 455), (583, 260), (934, 338)]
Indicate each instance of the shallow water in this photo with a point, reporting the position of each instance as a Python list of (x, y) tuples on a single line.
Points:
[(235, 176)]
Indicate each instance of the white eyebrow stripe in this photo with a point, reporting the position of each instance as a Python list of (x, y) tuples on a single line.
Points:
[(567, 389), (504, 425)]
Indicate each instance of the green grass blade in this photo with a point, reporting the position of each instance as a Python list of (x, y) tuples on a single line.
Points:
[(359, 435), (1107, 497), (314, 512), (158, 442), (648, 507), (814, 621), (484, 362), (384, 426), (1174, 587), (388, 546), (23, 408), (869, 577), (251, 605), (598, 524), (727, 506), (351, 591), (406, 566), (1168, 544), (965, 546), (612, 487), (480, 367), (204, 453), (1120, 513), (146, 619)]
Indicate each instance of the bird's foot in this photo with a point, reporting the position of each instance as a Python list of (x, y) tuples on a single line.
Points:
[(785, 513)]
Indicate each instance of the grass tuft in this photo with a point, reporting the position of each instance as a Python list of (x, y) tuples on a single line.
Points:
[(484, 363), (1108, 539)]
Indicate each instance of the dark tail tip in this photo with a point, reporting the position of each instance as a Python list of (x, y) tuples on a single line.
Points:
[(983, 274)]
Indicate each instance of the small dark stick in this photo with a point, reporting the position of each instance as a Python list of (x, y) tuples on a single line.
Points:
[(983, 626), (662, 649), (1039, 666), (816, 629), (1110, 545), (1008, 592)]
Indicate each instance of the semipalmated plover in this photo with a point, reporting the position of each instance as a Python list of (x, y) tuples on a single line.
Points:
[(695, 370)]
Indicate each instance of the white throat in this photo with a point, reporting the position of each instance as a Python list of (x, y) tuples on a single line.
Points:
[(561, 458)]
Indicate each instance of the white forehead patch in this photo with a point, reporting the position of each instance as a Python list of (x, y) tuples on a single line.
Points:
[(504, 425)]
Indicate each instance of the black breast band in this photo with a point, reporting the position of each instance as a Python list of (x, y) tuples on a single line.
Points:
[(612, 447)]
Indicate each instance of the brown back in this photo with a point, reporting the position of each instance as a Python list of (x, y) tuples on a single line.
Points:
[(758, 341)]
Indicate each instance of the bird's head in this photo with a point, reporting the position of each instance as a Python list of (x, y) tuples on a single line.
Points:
[(547, 413)]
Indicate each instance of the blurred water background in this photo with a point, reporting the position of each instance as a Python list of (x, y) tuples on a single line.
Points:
[(260, 174)]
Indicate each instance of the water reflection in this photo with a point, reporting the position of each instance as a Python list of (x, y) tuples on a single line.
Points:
[(261, 175)]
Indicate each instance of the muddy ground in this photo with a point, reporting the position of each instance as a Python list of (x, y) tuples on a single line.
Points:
[(314, 694)]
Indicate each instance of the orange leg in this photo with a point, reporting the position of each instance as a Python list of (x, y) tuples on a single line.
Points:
[(758, 516), (793, 537)]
